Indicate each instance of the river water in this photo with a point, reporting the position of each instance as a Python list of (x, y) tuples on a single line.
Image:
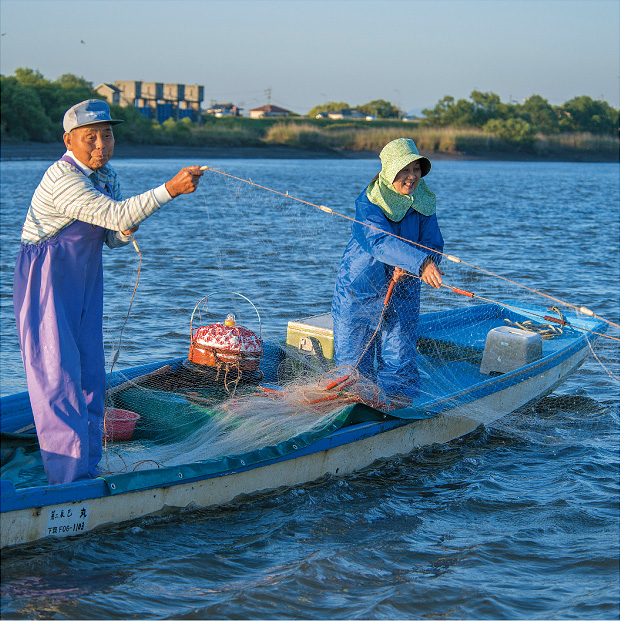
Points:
[(516, 521)]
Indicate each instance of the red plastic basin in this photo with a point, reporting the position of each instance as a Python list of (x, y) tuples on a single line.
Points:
[(119, 424)]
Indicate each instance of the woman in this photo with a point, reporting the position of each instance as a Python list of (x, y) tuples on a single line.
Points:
[(395, 209)]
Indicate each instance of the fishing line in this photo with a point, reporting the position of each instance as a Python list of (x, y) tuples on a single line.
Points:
[(133, 295), (386, 301), (120, 338), (581, 309), (609, 372)]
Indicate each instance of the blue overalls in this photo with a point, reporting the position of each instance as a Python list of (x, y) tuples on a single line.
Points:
[(58, 301)]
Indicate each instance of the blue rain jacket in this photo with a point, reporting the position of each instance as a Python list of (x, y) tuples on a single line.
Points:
[(363, 278)]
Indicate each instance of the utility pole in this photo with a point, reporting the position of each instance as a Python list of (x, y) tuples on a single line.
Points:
[(268, 93)]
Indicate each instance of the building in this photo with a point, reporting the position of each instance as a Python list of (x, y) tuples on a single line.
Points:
[(346, 114), (224, 109), (269, 110), (110, 93), (156, 100)]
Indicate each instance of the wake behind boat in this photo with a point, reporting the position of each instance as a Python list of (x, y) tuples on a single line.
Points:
[(477, 364)]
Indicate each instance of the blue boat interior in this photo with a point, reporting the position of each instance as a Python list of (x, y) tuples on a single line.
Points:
[(178, 410)]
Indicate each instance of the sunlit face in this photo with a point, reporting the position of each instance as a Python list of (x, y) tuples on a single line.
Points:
[(407, 179), (93, 145)]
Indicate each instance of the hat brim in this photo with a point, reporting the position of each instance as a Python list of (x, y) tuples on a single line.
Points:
[(110, 122), (405, 160)]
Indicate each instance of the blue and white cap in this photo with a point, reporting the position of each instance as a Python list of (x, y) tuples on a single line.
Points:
[(86, 113)]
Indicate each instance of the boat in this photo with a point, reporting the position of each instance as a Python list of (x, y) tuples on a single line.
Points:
[(477, 363)]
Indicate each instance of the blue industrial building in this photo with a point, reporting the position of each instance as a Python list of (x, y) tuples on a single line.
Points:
[(156, 100)]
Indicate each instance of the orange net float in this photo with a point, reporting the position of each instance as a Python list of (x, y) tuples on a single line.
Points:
[(562, 322), (468, 294), (225, 344), (336, 382)]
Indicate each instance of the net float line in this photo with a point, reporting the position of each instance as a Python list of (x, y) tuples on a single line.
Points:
[(561, 321), (581, 309)]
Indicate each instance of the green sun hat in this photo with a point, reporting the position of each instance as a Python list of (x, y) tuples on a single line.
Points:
[(381, 191), (398, 154)]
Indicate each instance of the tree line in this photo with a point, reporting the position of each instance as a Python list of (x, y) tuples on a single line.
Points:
[(534, 116), (32, 108), (378, 107), (514, 122)]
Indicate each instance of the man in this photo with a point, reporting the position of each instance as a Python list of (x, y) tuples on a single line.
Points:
[(58, 286)]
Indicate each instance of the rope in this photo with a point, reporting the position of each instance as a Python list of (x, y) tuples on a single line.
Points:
[(386, 301), (546, 331), (581, 309)]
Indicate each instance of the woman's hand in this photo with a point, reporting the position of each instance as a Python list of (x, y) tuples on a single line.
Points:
[(399, 274), (431, 275)]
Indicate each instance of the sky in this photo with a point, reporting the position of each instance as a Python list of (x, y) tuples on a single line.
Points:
[(307, 52)]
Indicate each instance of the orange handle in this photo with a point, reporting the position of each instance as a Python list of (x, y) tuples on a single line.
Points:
[(388, 295), (272, 391), (351, 381)]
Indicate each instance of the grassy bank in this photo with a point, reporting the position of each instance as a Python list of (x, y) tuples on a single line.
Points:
[(474, 142), (324, 135), (302, 137)]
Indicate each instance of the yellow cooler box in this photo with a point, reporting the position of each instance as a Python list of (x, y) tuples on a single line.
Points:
[(313, 335)]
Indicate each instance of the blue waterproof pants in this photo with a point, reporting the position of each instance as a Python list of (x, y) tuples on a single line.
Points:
[(390, 360), (58, 301)]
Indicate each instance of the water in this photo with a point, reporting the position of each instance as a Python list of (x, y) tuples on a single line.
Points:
[(517, 521)]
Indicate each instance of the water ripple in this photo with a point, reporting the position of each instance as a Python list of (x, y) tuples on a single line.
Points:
[(516, 521)]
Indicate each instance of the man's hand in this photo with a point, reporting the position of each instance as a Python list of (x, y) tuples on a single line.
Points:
[(185, 181), (130, 231)]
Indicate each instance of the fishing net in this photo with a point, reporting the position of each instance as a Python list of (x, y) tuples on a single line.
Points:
[(259, 276)]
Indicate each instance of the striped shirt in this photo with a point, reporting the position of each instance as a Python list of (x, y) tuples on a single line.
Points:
[(65, 195)]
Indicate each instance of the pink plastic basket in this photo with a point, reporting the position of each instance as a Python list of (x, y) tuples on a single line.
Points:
[(119, 424)]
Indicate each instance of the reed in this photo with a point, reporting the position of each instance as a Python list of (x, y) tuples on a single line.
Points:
[(351, 137), (234, 136), (300, 135), (426, 139), (461, 141), (578, 142)]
